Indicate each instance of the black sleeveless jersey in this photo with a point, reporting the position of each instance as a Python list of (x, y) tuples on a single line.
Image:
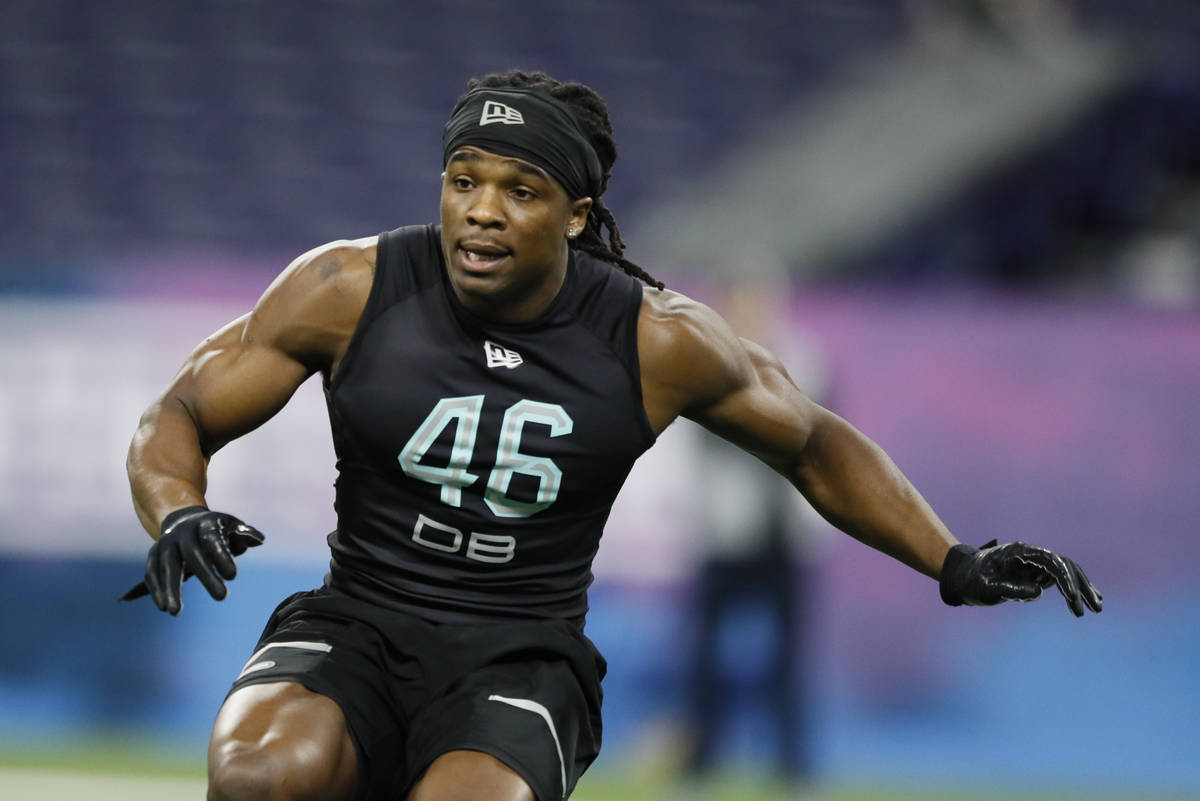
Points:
[(478, 462)]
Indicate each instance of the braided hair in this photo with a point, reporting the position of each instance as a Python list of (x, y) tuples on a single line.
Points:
[(592, 115)]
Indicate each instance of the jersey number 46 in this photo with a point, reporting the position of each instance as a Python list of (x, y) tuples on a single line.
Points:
[(463, 413)]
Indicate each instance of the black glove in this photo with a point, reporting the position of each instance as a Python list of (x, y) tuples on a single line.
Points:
[(194, 541), (1013, 572)]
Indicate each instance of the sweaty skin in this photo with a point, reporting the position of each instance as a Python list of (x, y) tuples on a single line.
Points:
[(505, 232), (692, 364), (240, 376)]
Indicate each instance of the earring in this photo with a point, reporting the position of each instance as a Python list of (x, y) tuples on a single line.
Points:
[(572, 232)]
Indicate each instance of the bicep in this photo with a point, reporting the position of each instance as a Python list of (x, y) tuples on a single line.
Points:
[(243, 374), (763, 411), (234, 382)]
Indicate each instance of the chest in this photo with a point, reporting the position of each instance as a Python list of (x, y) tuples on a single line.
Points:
[(515, 420)]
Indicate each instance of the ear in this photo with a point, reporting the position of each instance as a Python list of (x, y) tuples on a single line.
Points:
[(578, 220)]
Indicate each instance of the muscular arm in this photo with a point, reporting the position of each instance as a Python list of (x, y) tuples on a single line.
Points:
[(695, 366), (239, 377)]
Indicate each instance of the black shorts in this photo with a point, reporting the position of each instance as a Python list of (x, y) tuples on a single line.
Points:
[(526, 692)]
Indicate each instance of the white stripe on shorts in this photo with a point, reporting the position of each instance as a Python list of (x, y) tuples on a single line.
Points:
[(534, 706), (307, 646)]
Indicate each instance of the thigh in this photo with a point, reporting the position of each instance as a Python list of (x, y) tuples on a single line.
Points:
[(336, 668), (270, 732), (531, 718), (468, 776)]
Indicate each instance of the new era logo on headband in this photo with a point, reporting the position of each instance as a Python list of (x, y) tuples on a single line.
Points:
[(532, 126), (498, 112)]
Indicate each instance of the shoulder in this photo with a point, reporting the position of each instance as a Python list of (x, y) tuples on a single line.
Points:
[(313, 306), (669, 319), (334, 268), (690, 357)]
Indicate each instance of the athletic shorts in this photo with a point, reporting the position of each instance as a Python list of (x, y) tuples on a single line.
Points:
[(526, 692)]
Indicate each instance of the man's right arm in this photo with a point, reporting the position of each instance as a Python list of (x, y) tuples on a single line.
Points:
[(239, 377)]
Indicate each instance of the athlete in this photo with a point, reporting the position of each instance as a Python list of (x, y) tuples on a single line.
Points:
[(490, 382)]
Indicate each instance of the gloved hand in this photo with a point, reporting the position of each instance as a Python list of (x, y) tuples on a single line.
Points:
[(194, 541), (1013, 572)]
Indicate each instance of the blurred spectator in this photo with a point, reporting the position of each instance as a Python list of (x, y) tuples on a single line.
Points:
[(754, 537)]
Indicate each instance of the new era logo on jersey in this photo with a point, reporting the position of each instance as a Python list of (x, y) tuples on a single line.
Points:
[(498, 112), (500, 356)]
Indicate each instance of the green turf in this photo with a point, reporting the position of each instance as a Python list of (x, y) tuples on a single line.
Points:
[(116, 754), (127, 757), (749, 787)]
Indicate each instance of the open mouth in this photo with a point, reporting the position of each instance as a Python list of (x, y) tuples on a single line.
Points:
[(481, 258)]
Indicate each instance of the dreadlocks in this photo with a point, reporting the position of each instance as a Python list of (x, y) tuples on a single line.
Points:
[(592, 114)]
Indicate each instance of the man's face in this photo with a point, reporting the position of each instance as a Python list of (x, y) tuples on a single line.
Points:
[(504, 233)]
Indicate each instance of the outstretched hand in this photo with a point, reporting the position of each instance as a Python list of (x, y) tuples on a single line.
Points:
[(1014, 571), (195, 541)]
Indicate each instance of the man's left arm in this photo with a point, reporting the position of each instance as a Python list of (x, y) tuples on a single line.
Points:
[(857, 487)]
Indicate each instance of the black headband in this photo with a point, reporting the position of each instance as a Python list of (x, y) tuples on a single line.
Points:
[(530, 126)]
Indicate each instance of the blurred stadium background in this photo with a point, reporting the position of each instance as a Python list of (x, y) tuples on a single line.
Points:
[(976, 223)]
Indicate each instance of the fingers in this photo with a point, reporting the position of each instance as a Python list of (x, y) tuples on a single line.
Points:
[(211, 581), (216, 540), (167, 588), (1091, 595), (210, 558), (242, 537), (153, 582), (1057, 567), (1018, 590), (135, 592)]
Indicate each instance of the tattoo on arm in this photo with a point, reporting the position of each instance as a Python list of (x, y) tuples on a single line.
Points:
[(330, 266)]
